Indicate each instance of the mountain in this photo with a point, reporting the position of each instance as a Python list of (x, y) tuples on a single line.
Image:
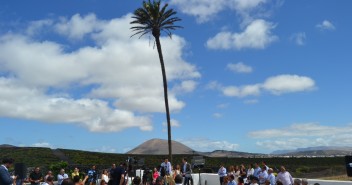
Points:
[(6, 146), (316, 151), (225, 153), (160, 147)]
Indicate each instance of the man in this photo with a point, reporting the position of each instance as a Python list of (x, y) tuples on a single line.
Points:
[(167, 166), (284, 176), (49, 181), (178, 179), (5, 178), (36, 176), (186, 171), (256, 170), (266, 166), (61, 176), (165, 171), (118, 175), (113, 166), (297, 182), (263, 175), (271, 177), (48, 174), (304, 182), (222, 173), (92, 176), (254, 180), (232, 180)]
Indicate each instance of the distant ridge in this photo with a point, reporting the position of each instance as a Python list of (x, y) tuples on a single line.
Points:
[(316, 151), (7, 146), (160, 147)]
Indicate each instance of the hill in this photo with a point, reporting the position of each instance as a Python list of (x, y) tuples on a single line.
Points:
[(160, 147), (316, 151)]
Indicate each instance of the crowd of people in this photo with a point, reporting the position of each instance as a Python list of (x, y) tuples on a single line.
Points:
[(257, 174), (165, 174)]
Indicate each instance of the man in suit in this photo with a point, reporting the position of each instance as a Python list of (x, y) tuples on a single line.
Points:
[(5, 178), (186, 172)]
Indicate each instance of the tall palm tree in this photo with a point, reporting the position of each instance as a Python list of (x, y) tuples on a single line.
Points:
[(154, 18)]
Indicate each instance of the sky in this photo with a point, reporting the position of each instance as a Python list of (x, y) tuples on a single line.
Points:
[(243, 75)]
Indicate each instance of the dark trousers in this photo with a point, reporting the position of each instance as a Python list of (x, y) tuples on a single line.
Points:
[(186, 181), (221, 180)]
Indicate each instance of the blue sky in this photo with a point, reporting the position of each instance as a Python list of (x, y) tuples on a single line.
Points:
[(244, 75)]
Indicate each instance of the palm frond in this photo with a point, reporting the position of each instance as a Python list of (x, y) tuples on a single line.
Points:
[(152, 18)]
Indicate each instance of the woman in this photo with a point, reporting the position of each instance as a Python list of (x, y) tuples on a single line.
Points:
[(105, 176), (243, 172), (237, 172), (155, 175), (177, 171), (231, 170)]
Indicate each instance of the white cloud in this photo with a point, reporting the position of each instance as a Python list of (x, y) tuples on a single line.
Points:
[(288, 83), (217, 115), (222, 106), (303, 135), (305, 129), (42, 144), (185, 86), (203, 10), (35, 27), (44, 81), (77, 27), (299, 38), (276, 85), (239, 68), (248, 90), (207, 145), (257, 35), (252, 101), (173, 122), (326, 25), (105, 149)]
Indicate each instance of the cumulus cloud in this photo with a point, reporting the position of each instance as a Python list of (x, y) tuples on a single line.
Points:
[(288, 84), (77, 26), (326, 25), (276, 85), (239, 68), (99, 87), (257, 35), (299, 38), (205, 10), (303, 135), (207, 145)]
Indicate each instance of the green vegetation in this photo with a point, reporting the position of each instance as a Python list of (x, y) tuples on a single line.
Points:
[(46, 159)]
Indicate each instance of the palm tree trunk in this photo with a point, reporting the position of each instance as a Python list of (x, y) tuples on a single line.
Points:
[(158, 45)]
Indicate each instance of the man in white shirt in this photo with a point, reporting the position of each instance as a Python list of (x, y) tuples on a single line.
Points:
[(61, 176), (284, 176), (222, 173), (263, 175), (271, 177)]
